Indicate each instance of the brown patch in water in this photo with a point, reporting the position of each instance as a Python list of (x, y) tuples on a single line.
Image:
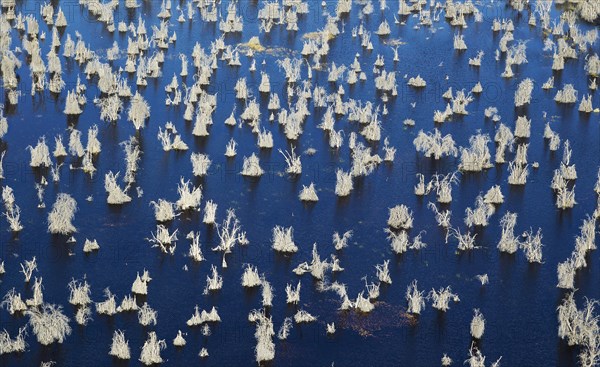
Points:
[(385, 316)]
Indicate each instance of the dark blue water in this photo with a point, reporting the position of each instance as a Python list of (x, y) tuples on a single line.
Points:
[(519, 303)]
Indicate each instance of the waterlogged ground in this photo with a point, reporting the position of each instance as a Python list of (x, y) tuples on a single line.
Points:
[(519, 303)]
